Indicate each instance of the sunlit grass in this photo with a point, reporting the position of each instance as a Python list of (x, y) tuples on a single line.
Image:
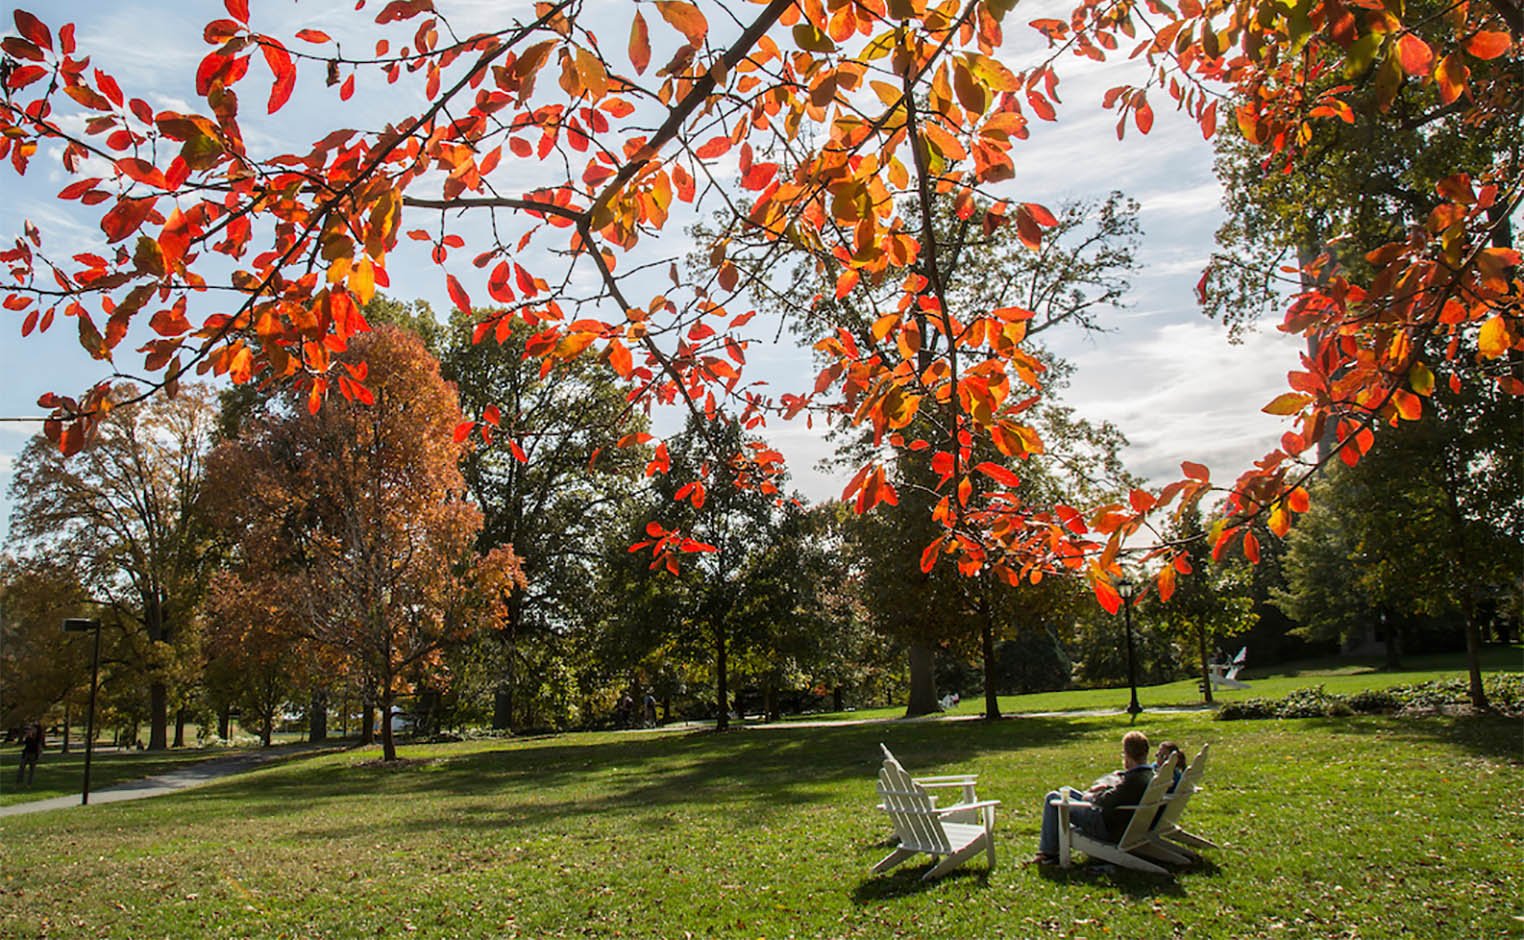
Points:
[(1337, 675), (1373, 827)]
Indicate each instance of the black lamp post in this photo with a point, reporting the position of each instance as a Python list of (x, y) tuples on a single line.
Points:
[(1129, 590), (83, 625)]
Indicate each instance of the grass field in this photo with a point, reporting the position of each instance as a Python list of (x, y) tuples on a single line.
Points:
[(1336, 674), (1362, 827)]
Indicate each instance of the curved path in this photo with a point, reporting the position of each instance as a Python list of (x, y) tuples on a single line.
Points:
[(194, 775)]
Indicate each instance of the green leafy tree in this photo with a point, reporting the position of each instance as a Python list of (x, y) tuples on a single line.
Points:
[(128, 514)]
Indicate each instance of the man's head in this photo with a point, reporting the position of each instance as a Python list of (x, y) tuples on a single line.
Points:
[(1135, 748)]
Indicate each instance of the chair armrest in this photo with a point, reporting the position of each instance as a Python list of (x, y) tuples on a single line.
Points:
[(1063, 802), (947, 781), (963, 807)]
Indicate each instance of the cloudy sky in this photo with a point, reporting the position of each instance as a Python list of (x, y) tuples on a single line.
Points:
[(1162, 373)]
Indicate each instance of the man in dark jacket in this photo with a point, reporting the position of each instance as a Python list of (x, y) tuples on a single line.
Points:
[(1104, 817)]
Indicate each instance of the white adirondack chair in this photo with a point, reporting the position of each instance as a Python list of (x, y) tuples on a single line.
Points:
[(1166, 839), (1126, 850), (1225, 675), (964, 783), (922, 827)]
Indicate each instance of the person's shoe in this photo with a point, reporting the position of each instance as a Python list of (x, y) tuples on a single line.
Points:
[(1044, 860)]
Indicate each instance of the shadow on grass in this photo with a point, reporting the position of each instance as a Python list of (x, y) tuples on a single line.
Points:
[(905, 881), (776, 771), (1494, 737)]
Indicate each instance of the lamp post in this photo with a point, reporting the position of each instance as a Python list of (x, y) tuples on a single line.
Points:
[(84, 625), (1129, 590)]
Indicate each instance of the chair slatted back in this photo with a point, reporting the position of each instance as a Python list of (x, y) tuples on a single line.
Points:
[(1142, 821), (1189, 781), (911, 809)]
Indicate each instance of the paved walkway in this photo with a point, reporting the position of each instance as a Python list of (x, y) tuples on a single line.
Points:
[(193, 775)]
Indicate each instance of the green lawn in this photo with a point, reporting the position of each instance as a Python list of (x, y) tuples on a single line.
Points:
[(63, 774), (1369, 827), (1337, 675)]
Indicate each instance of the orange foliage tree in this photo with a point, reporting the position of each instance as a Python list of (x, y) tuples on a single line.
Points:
[(359, 511), (803, 121)]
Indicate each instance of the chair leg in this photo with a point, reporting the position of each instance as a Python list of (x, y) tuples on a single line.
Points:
[(952, 861), (892, 859)]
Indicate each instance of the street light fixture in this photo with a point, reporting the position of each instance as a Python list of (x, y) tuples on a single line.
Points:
[(85, 625), (1129, 590)]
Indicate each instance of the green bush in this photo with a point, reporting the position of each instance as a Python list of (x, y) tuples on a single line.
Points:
[(1505, 692), (1374, 702)]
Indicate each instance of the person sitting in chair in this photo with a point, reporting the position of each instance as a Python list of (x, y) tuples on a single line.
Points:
[(1104, 817)]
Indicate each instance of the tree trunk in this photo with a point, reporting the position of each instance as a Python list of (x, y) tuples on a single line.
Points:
[(158, 728), (388, 744), (317, 717), (837, 696), (179, 727), (770, 710), (923, 681), (266, 727), (368, 723), (224, 721), (1393, 643), (1206, 664), (66, 731), (987, 641), (722, 723)]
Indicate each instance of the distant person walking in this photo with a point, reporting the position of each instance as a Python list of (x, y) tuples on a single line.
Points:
[(31, 751), (650, 710)]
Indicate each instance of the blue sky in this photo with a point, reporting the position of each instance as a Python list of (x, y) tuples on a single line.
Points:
[(1164, 374)]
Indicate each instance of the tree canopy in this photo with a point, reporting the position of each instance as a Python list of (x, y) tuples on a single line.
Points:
[(806, 125)]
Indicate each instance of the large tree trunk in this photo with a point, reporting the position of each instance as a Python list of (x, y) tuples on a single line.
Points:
[(66, 731), (987, 641), (388, 744), (317, 717), (224, 722), (179, 727), (368, 723), (158, 712), (923, 681), (722, 690)]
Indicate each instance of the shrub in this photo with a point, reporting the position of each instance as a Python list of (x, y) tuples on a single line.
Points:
[(1373, 702), (1505, 692)]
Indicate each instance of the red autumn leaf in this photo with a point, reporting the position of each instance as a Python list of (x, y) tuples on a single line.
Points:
[(142, 171), (280, 64), (1106, 595), (1414, 54), (315, 36), (1195, 471), (846, 281), (714, 148), (125, 217), (640, 44), (32, 29), (1488, 44), (463, 431), (458, 295), (517, 451), (239, 9), (1286, 403), (1002, 475), (1251, 547)]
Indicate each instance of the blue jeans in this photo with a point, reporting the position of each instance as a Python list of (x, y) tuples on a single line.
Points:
[(1087, 819)]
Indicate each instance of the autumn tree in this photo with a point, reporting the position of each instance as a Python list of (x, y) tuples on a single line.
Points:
[(367, 503), (877, 105), (128, 514)]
